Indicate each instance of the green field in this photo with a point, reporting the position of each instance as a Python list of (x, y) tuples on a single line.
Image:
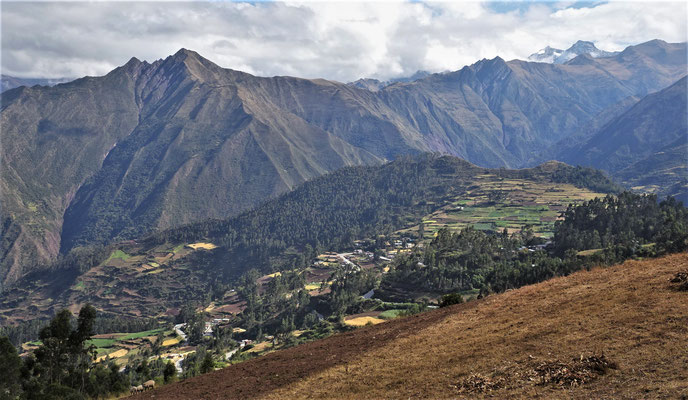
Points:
[(390, 314), (138, 335), (118, 254), (101, 343)]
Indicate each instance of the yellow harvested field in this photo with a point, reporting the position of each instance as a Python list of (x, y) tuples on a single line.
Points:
[(155, 271), (262, 346), (202, 245), (171, 342), (273, 275), (238, 330), (363, 321), (115, 354), (312, 286)]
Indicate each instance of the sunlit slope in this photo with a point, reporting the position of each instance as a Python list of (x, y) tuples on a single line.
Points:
[(629, 315)]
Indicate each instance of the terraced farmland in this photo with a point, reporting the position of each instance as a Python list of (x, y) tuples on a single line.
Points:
[(493, 204), (132, 281)]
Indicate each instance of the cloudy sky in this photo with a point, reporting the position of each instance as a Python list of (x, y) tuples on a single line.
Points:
[(341, 41)]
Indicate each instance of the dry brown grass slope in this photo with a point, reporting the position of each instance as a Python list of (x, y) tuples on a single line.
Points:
[(629, 313)]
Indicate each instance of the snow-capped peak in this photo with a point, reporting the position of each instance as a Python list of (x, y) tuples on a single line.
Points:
[(557, 56)]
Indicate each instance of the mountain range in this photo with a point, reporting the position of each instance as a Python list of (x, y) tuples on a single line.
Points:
[(376, 84), (155, 145)]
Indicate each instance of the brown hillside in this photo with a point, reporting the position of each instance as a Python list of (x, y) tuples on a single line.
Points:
[(505, 346)]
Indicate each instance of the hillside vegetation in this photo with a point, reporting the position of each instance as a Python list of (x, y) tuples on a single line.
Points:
[(151, 276), (619, 331)]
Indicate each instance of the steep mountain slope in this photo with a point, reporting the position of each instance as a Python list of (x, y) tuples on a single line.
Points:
[(526, 343), (210, 136), (150, 137), (128, 153), (53, 138), (628, 145), (664, 172)]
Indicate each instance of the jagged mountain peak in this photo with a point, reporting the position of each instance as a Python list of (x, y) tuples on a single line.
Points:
[(583, 45), (546, 55), (133, 61), (192, 65), (184, 54), (493, 68)]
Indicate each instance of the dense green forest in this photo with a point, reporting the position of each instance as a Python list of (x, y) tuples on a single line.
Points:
[(62, 367)]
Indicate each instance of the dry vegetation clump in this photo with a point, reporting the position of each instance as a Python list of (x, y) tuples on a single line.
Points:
[(681, 279), (481, 383), (573, 373), (576, 372)]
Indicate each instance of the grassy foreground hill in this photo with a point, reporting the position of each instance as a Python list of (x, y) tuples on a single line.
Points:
[(615, 332)]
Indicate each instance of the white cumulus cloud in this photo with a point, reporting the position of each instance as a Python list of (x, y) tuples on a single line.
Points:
[(342, 41)]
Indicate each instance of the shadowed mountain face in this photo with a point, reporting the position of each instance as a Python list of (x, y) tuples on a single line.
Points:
[(644, 147), (151, 146)]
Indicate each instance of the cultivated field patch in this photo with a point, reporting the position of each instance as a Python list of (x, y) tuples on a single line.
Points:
[(202, 245), (362, 321)]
